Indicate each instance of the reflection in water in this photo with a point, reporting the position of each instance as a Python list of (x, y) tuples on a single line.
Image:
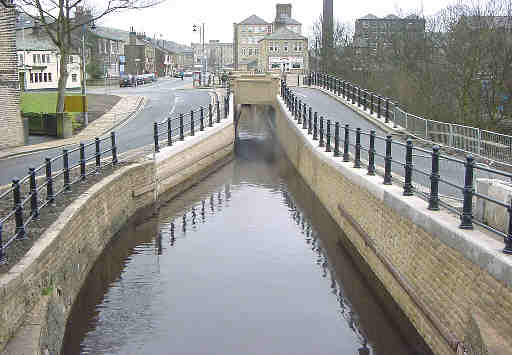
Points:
[(248, 261)]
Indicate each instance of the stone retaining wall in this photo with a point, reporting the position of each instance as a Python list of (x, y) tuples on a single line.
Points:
[(37, 295), (448, 282)]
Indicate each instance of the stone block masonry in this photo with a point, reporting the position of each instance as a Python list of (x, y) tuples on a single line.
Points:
[(11, 125), (454, 286), (37, 294)]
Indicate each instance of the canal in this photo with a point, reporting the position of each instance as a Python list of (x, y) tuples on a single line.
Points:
[(246, 262)]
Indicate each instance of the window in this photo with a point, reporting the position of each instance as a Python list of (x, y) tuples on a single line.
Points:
[(21, 60), (31, 77), (255, 51), (40, 77), (250, 51), (34, 58), (50, 77), (45, 76), (285, 46), (70, 59), (296, 66), (73, 78), (43, 57), (35, 78), (48, 59), (298, 47)]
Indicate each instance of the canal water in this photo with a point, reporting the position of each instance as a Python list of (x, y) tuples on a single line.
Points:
[(246, 262)]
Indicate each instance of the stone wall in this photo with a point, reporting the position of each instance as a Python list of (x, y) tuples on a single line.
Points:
[(10, 119), (38, 293), (444, 280)]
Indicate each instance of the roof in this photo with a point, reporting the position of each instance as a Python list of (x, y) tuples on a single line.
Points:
[(27, 41), (285, 20), (392, 17), (254, 20), (109, 33), (369, 17), (283, 33)]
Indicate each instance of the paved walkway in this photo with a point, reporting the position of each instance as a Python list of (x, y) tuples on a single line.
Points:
[(126, 108)]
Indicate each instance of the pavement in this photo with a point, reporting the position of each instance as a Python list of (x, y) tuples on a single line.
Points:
[(126, 108)]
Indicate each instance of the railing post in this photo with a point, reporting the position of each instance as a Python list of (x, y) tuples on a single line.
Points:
[(3, 257), (310, 120), (304, 118), (467, 208), (387, 111), (337, 139), (379, 101), (201, 118), (328, 137), (169, 131), (18, 214), (98, 155), (357, 160), (346, 144), (315, 127), (299, 112), (226, 107), (50, 196), (182, 133), (83, 176), (218, 111), (155, 137), (210, 115), (408, 188), (67, 180), (114, 148), (365, 100), (371, 154), (358, 96), (353, 93), (321, 144), (371, 103), (343, 92), (388, 160), (34, 198), (192, 127), (433, 201), (508, 239)]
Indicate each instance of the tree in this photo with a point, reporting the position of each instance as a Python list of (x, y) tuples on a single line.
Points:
[(60, 21)]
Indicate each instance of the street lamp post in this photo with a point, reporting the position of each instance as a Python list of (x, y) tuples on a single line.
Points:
[(203, 61), (84, 76)]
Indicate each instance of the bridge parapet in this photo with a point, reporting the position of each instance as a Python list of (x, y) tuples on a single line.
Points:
[(255, 89)]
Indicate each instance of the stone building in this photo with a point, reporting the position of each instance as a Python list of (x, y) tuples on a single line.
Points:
[(218, 54), (140, 54), (12, 132), (283, 50), (249, 33), (373, 33)]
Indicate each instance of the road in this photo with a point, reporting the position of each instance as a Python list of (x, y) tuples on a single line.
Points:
[(164, 97), (338, 112)]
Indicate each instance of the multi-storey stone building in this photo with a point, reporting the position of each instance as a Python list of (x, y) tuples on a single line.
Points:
[(11, 133), (219, 55), (284, 51), (249, 35), (372, 33)]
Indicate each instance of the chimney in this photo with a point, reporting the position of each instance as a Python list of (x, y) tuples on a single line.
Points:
[(133, 37), (283, 10)]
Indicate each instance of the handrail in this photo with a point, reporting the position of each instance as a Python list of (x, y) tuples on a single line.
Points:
[(298, 111)]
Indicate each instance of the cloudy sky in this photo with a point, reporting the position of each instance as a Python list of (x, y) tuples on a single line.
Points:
[(173, 19)]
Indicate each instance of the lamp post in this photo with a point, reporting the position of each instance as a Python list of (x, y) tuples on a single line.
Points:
[(200, 28), (84, 78)]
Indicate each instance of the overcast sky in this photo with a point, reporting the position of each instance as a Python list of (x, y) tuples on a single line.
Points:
[(173, 19)]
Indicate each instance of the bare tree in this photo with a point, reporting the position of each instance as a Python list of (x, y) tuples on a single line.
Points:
[(58, 18)]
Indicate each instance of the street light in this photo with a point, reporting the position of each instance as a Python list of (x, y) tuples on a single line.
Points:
[(200, 29), (84, 79)]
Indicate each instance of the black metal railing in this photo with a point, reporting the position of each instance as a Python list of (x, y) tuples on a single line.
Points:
[(407, 170), (188, 124), (44, 184)]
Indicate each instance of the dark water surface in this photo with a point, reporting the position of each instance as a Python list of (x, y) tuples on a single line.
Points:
[(247, 262)]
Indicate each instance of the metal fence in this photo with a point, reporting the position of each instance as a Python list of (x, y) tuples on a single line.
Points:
[(22, 203), (442, 180), (487, 144)]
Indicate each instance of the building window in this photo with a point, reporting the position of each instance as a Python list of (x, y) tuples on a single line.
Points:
[(73, 78), (50, 77), (40, 77), (296, 66), (47, 59), (21, 60), (34, 58), (255, 51), (70, 59), (45, 76), (31, 77), (43, 57), (285, 46), (250, 51)]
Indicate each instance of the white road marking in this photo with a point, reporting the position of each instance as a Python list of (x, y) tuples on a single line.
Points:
[(177, 99), (301, 95)]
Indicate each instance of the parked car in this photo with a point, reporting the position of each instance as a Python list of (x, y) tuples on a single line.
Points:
[(147, 78), (140, 79), (178, 74), (153, 77), (126, 80)]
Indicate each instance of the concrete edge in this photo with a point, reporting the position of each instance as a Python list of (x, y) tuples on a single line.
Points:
[(476, 245)]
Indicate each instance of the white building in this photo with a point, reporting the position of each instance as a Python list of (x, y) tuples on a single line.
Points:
[(39, 61)]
